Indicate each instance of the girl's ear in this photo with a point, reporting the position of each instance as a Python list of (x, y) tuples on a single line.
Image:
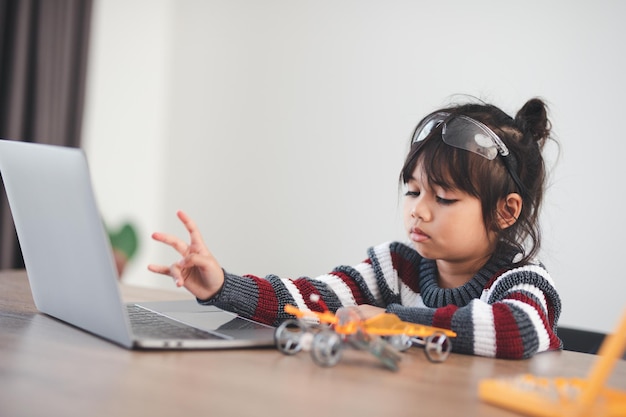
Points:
[(508, 210)]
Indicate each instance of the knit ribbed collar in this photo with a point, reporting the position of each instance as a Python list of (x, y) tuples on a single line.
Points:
[(435, 296)]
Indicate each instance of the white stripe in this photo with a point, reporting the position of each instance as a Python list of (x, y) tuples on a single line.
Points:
[(383, 255), (295, 293), (419, 302), (367, 272), (341, 289), (484, 329), (534, 291), (533, 315), (408, 297)]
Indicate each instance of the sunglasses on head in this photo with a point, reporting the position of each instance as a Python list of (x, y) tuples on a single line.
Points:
[(469, 134)]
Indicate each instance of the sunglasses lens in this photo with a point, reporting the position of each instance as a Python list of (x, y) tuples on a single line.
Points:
[(424, 131), (428, 125), (465, 134)]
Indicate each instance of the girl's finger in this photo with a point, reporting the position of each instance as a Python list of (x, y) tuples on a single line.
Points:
[(175, 272), (159, 269), (191, 227), (179, 246)]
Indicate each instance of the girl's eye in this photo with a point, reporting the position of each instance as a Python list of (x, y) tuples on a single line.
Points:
[(445, 201), (412, 194)]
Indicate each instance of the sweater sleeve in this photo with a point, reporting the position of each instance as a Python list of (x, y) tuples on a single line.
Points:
[(514, 318), (372, 282)]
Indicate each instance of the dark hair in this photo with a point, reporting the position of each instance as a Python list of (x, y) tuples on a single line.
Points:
[(488, 180)]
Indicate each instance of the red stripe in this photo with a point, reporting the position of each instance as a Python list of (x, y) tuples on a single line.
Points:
[(443, 316), (508, 340), (407, 272), (555, 343), (267, 304), (554, 340), (306, 289), (359, 298)]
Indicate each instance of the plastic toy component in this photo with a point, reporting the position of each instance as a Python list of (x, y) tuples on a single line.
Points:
[(533, 395), (327, 347), (437, 347), (288, 336), (325, 335)]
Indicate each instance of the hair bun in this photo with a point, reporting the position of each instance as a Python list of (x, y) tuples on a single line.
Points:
[(532, 119)]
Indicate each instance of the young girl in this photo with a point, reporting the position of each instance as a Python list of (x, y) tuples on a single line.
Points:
[(474, 180)]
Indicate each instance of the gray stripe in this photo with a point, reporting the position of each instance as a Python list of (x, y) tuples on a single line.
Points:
[(359, 281), (327, 294), (386, 292)]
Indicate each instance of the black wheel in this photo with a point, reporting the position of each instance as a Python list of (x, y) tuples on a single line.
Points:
[(437, 347), (288, 336), (326, 349)]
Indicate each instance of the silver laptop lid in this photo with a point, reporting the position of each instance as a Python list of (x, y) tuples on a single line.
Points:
[(66, 250)]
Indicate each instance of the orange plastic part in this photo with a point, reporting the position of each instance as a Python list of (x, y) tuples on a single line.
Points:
[(532, 395)]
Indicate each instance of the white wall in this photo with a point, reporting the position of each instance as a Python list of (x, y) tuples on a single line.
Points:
[(280, 126), (127, 114)]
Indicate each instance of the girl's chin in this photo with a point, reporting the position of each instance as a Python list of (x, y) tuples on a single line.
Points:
[(423, 251)]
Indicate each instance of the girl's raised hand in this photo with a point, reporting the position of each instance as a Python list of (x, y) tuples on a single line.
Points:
[(198, 271)]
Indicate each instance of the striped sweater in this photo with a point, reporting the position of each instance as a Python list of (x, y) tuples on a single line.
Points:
[(503, 311)]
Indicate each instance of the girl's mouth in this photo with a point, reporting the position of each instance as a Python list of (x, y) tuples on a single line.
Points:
[(417, 235)]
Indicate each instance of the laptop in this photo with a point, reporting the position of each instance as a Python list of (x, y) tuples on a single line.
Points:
[(70, 264)]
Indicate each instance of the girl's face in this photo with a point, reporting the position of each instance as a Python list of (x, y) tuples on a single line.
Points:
[(446, 225)]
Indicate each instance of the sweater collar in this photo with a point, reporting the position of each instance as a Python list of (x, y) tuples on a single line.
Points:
[(435, 296)]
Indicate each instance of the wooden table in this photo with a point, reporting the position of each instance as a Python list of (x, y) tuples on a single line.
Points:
[(48, 368)]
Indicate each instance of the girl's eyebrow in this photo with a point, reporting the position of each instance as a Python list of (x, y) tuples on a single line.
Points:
[(413, 179)]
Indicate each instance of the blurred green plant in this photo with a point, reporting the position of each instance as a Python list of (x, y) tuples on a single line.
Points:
[(125, 244)]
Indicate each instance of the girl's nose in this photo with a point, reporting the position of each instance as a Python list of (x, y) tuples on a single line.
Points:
[(420, 210)]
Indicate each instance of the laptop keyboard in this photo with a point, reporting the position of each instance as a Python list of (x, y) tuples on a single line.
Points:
[(242, 324), (150, 325)]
